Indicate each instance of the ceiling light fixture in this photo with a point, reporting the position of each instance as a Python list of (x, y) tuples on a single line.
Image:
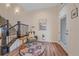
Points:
[(7, 5), (16, 10)]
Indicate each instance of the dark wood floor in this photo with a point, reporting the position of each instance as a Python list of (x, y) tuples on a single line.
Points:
[(51, 49)]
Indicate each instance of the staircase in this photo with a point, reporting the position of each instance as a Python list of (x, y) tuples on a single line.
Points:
[(10, 36)]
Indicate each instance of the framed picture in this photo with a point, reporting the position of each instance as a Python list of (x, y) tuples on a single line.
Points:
[(43, 24), (74, 13)]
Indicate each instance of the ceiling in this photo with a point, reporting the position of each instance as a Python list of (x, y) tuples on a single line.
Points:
[(36, 6)]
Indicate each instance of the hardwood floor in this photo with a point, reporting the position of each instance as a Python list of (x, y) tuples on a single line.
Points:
[(51, 49), (54, 49)]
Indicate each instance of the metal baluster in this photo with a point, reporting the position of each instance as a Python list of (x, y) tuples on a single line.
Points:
[(18, 29)]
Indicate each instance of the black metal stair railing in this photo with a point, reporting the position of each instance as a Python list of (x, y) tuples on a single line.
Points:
[(11, 33), (19, 32)]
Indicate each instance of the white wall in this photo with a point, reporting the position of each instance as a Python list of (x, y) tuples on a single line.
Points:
[(72, 28), (51, 14)]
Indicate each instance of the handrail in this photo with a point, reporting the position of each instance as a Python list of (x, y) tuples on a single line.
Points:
[(11, 42), (23, 24), (22, 36), (12, 26)]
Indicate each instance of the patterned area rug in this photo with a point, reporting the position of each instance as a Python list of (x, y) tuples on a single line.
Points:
[(33, 49)]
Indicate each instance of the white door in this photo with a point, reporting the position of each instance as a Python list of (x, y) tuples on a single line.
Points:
[(63, 37)]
